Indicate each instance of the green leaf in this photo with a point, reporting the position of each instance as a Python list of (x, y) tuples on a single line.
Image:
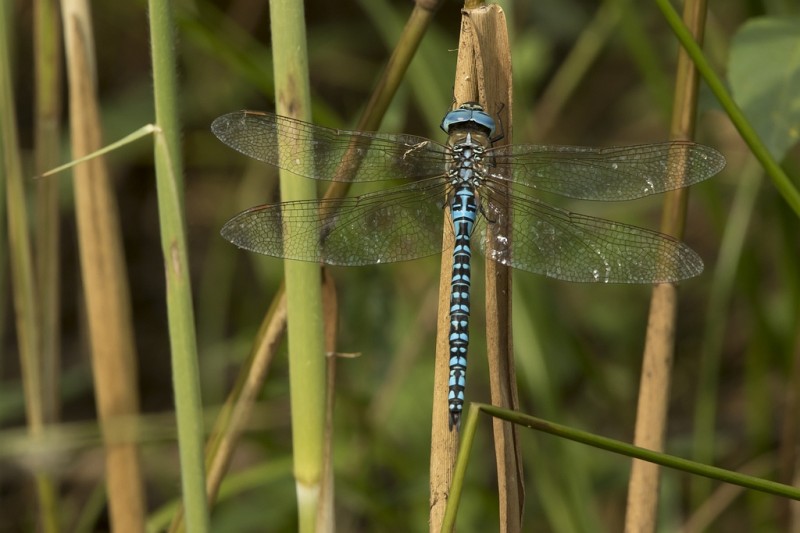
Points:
[(764, 72)]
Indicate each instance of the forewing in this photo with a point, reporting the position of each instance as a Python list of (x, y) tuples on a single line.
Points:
[(329, 154), (622, 173), (382, 227), (563, 245)]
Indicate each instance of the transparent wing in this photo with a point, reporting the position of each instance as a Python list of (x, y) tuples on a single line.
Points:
[(382, 227), (328, 154), (572, 247), (621, 173)]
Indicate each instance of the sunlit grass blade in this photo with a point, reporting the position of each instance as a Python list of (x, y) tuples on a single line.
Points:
[(235, 414)]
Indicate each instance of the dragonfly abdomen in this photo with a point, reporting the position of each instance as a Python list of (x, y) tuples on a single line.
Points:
[(463, 212)]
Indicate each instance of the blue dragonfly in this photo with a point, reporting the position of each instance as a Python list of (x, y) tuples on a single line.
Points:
[(481, 194)]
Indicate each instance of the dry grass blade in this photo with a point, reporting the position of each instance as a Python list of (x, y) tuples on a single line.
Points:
[(326, 515), (105, 279), (234, 416), (642, 508), (483, 74)]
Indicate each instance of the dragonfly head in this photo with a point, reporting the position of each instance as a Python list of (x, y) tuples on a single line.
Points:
[(469, 115)]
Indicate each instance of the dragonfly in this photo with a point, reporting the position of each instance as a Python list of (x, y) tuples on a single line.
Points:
[(481, 194)]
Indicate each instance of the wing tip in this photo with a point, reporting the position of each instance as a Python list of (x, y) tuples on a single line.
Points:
[(712, 157)]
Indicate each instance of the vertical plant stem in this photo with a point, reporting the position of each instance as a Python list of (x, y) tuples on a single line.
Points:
[(236, 412), (105, 279), (483, 74), (444, 442), (642, 509), (234, 415), (303, 280), (47, 47), (470, 428), (326, 516), (22, 270), (495, 81), (183, 341), (48, 109)]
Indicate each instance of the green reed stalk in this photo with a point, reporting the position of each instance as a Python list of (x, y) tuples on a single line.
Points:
[(303, 280), (183, 341)]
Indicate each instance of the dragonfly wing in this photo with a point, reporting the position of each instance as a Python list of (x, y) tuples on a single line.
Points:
[(622, 173), (382, 227), (547, 240), (329, 154)]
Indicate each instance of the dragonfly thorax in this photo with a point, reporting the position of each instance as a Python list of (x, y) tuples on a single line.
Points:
[(467, 151)]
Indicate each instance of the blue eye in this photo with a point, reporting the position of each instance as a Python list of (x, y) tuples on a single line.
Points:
[(469, 112)]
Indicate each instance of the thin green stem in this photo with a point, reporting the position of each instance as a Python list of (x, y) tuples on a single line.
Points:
[(748, 133), (629, 450), (468, 432), (169, 178)]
